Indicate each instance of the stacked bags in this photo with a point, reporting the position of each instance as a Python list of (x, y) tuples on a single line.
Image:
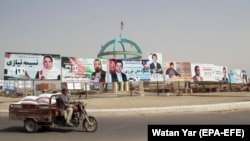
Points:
[(28, 100), (44, 99), (36, 100)]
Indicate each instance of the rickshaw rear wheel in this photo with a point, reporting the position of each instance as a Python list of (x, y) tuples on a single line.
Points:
[(30, 125)]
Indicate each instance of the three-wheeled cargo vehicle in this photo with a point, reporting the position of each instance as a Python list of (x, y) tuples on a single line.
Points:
[(50, 115)]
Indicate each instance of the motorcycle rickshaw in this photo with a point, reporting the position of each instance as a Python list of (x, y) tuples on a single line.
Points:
[(50, 115)]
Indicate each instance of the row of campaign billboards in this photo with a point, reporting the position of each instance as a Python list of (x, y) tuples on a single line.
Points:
[(33, 66)]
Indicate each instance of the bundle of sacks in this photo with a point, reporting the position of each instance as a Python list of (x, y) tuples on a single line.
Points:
[(36, 100)]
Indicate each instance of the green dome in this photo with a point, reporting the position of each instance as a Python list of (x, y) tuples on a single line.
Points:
[(120, 48)]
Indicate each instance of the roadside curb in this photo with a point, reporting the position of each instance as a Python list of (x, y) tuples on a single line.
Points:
[(174, 109), (170, 109)]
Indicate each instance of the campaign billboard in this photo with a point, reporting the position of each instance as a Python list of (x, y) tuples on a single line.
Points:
[(19, 66), (123, 70), (155, 65), (238, 76), (177, 71), (76, 69), (202, 72), (220, 73)]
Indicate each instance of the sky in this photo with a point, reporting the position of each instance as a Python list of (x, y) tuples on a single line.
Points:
[(199, 31)]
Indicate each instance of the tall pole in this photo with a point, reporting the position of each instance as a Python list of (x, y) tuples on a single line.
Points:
[(122, 25)]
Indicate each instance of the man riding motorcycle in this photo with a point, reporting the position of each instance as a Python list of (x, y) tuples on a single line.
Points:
[(64, 103)]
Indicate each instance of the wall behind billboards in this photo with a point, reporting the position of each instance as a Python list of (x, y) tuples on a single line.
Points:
[(19, 66)]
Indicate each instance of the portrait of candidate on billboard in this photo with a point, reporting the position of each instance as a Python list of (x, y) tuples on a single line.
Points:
[(225, 75), (155, 66), (118, 75), (145, 71), (155, 62), (171, 72), (48, 70), (32, 66), (244, 77), (98, 76), (197, 76)]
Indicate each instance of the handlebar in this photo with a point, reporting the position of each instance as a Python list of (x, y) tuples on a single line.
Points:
[(78, 102)]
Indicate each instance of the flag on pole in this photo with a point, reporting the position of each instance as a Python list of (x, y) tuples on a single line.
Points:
[(122, 24)]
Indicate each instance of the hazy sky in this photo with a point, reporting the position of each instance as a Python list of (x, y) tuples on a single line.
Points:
[(198, 31)]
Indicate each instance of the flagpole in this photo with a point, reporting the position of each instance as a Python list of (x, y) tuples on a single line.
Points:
[(122, 24)]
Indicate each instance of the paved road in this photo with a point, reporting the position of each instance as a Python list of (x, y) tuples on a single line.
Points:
[(121, 127)]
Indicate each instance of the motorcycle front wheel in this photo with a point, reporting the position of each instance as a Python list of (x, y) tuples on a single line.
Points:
[(90, 126)]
